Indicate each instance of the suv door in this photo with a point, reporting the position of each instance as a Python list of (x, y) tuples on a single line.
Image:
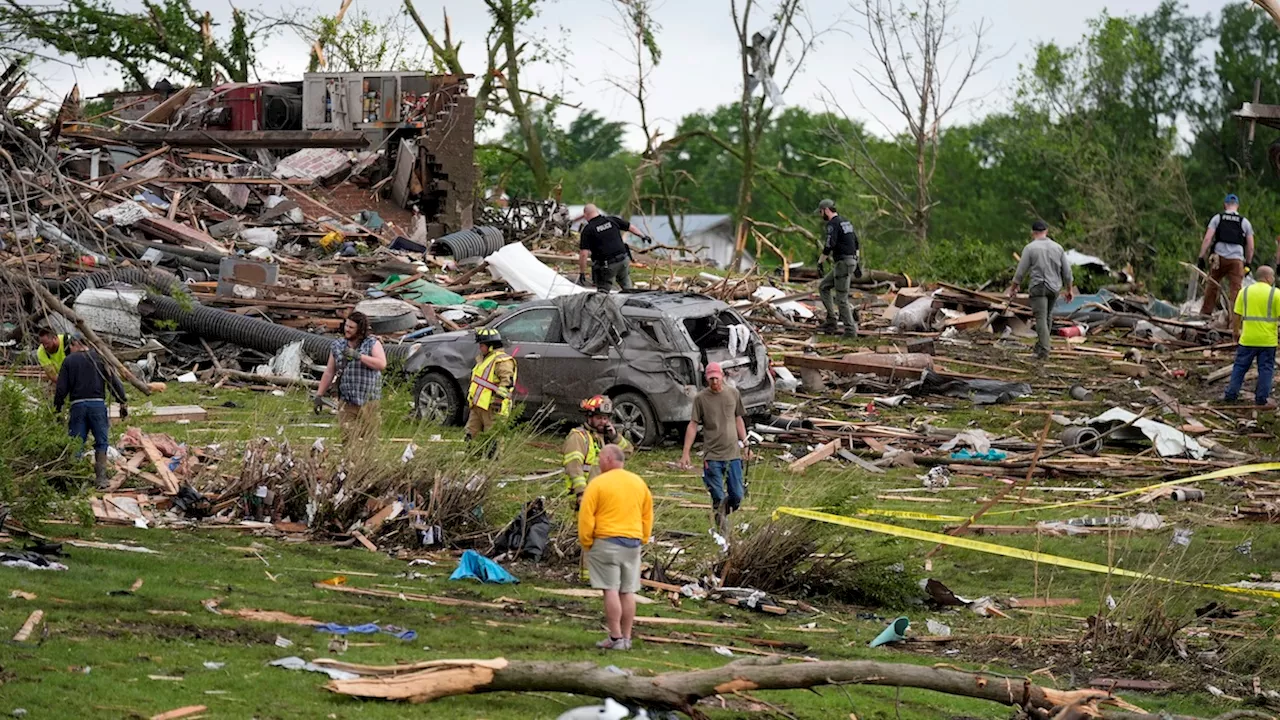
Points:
[(550, 372)]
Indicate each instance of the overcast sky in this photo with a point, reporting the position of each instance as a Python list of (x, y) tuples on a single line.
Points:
[(699, 68)]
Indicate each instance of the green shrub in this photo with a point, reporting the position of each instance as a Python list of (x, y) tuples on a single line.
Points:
[(34, 450)]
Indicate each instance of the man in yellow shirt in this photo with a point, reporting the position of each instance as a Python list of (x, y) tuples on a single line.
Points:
[(1254, 322), (615, 520), (53, 350)]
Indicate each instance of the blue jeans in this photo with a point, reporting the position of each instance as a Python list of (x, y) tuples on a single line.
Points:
[(714, 473), (1245, 356), (89, 416)]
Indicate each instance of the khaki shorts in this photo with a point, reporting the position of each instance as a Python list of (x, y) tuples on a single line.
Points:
[(614, 567)]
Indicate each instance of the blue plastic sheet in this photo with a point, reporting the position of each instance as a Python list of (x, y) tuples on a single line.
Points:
[(367, 629), (992, 455), (474, 566)]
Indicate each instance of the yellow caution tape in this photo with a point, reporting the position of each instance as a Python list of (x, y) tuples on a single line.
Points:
[(1216, 474), (908, 515), (993, 549)]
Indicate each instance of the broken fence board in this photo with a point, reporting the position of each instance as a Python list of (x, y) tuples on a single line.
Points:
[(822, 453)]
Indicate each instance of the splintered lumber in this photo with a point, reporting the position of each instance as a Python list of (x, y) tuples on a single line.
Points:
[(822, 453), (269, 139), (1042, 602), (438, 600), (170, 485), (695, 643), (28, 627), (181, 712), (368, 544), (862, 363), (587, 594), (681, 691)]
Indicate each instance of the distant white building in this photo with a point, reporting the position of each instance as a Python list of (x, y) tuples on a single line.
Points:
[(711, 237)]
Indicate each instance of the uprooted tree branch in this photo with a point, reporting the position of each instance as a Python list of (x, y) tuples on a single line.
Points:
[(681, 691)]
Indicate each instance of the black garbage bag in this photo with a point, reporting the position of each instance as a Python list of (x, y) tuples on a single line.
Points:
[(528, 534)]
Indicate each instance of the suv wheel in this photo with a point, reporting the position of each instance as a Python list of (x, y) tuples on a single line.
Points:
[(436, 399), (635, 420)]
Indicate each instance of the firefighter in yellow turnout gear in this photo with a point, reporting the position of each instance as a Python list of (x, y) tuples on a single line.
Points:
[(582, 446), (493, 380)]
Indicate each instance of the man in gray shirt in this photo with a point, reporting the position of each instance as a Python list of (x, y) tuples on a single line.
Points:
[(1044, 265), (1229, 239)]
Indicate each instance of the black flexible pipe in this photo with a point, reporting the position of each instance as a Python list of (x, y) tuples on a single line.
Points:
[(464, 244), (214, 324), (158, 279)]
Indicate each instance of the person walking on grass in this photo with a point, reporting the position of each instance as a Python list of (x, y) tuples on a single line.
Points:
[(85, 379), (614, 521), (718, 409), (1226, 250), (1254, 324), (356, 363), (1045, 268)]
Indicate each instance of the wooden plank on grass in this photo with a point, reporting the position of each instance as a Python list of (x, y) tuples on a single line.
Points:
[(414, 597), (181, 712), (28, 627), (368, 545), (822, 453)]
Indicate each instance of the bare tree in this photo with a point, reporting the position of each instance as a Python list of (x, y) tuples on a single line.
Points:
[(509, 50), (921, 64), (785, 38), (642, 53)]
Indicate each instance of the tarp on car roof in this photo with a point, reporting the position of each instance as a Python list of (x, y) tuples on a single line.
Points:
[(592, 321)]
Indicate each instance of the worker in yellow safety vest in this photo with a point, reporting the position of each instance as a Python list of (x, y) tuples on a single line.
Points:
[(1255, 323), (492, 381), (582, 446)]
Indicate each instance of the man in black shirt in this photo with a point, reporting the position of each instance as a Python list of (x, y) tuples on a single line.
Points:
[(842, 247), (85, 378), (601, 237)]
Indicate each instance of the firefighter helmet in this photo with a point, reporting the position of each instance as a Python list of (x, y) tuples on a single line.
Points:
[(489, 336), (597, 405)]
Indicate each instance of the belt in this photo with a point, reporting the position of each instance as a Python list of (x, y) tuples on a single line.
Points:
[(611, 260), (89, 400)]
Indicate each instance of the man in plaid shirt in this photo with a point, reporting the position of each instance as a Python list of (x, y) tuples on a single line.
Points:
[(355, 365)]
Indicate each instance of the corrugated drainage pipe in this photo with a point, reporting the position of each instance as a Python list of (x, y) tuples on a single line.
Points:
[(155, 279), (214, 324), (464, 244), (250, 332), (1089, 440)]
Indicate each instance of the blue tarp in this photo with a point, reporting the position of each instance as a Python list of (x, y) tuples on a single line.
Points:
[(474, 566), (367, 629)]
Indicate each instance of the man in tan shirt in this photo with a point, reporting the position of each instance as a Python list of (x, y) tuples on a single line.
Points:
[(718, 409)]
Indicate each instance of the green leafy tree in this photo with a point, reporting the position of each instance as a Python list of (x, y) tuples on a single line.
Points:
[(170, 36)]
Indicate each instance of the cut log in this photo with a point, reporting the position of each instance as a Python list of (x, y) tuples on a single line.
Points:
[(682, 690)]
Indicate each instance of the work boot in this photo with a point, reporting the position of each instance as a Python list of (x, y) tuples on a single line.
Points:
[(828, 328), (100, 469), (718, 517), (851, 331)]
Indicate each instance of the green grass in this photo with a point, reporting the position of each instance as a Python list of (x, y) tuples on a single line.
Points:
[(123, 644)]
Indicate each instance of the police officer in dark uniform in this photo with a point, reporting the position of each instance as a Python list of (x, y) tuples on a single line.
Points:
[(1228, 247), (842, 247), (601, 238)]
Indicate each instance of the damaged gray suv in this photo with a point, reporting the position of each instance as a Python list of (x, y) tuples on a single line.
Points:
[(645, 350)]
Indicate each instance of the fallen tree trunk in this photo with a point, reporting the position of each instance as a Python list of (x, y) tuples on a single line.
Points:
[(682, 690)]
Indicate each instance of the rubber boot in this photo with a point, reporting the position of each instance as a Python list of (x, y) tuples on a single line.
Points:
[(725, 525), (100, 469), (719, 517)]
